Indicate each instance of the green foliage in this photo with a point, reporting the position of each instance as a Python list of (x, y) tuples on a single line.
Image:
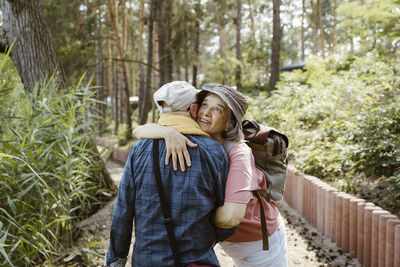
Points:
[(123, 134), (222, 70), (375, 23), (73, 27), (342, 116), (48, 171)]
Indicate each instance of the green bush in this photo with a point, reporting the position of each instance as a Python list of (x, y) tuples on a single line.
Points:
[(50, 173), (342, 116)]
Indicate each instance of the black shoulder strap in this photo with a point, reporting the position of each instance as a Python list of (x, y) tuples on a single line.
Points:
[(264, 230), (164, 205)]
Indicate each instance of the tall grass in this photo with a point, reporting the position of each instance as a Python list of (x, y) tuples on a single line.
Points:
[(50, 172)]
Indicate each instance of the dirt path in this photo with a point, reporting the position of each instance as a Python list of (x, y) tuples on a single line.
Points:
[(305, 246)]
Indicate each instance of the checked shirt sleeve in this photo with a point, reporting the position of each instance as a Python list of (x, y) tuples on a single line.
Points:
[(122, 219)]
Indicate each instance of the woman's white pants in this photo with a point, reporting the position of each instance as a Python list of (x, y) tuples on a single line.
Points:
[(251, 254)]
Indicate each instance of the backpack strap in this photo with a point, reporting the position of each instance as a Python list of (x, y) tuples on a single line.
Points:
[(164, 205), (228, 145), (264, 230)]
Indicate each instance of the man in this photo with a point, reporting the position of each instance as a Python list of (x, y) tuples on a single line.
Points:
[(192, 195)]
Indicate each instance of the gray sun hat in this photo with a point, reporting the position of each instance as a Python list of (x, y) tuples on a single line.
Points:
[(235, 100)]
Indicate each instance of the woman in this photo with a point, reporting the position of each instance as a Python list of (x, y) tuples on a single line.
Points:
[(220, 114)]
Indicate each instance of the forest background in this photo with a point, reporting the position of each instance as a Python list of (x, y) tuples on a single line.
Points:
[(91, 66)]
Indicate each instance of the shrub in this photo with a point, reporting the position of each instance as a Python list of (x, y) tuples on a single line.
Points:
[(50, 173), (340, 120)]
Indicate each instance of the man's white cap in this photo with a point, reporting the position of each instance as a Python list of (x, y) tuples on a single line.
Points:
[(176, 96)]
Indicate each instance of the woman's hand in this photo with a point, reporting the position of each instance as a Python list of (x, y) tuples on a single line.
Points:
[(176, 144)]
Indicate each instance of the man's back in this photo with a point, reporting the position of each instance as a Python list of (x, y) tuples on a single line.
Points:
[(192, 195)]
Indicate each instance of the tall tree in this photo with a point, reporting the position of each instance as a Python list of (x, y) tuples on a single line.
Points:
[(196, 42), (302, 29), (24, 27), (253, 30), (276, 45), (334, 26), (238, 52), (121, 48), (169, 61), (144, 97), (164, 40), (314, 28), (134, 59), (141, 30), (321, 29), (101, 108)]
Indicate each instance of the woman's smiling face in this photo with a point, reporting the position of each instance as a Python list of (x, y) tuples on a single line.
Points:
[(213, 116)]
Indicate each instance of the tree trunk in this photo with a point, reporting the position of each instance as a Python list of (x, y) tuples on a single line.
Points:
[(321, 29), (115, 97), (314, 28), (178, 73), (134, 58), (302, 30), (140, 67), (238, 52), (276, 45), (223, 43), (334, 26), (24, 27), (145, 104), (154, 78), (124, 27), (112, 11), (120, 94), (161, 34), (186, 52), (253, 30), (110, 89), (101, 108), (196, 44), (164, 33), (169, 60)]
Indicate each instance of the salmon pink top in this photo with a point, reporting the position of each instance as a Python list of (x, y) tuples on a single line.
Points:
[(243, 178)]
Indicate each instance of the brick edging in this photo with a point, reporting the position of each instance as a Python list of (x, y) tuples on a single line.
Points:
[(366, 231)]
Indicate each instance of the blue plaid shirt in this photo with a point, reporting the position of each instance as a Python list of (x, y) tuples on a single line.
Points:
[(192, 195)]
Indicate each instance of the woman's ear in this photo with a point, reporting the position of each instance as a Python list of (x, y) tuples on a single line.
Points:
[(194, 108)]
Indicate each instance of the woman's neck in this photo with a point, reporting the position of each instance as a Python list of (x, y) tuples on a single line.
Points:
[(218, 138)]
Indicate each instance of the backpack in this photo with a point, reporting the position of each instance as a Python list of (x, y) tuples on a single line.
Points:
[(269, 148)]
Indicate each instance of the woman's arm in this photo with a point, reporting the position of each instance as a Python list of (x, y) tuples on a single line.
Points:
[(229, 215), (175, 142)]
